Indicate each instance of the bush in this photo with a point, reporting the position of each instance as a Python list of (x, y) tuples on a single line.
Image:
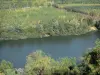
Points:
[(91, 61), (40, 64), (6, 68)]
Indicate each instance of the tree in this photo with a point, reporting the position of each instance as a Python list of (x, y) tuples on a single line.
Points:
[(6, 68), (91, 61), (38, 64)]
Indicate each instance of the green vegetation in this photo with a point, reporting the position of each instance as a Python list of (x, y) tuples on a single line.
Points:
[(90, 64), (38, 22), (38, 63), (88, 8), (6, 68), (91, 61), (77, 1), (37, 18), (9, 4), (13, 4)]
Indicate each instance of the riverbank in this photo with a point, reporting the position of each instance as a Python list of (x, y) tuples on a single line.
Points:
[(39, 22), (93, 29)]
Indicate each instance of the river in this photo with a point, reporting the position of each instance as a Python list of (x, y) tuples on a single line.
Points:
[(16, 51)]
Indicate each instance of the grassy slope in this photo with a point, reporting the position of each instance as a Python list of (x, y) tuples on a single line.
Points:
[(39, 22)]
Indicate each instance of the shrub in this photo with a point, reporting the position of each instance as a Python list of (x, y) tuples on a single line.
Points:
[(91, 62), (6, 68), (40, 64)]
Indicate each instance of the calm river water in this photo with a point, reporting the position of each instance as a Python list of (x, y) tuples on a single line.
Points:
[(16, 51)]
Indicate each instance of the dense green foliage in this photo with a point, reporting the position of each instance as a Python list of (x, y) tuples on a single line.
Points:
[(38, 63), (6, 68), (91, 61)]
